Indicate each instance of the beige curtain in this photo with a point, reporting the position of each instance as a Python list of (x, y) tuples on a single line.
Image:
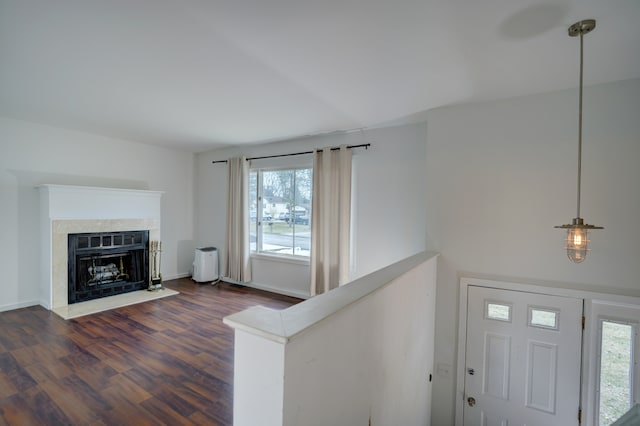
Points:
[(238, 264), (330, 220)]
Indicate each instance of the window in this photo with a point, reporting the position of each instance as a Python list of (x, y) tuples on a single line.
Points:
[(616, 370), (280, 211), (497, 311), (543, 318)]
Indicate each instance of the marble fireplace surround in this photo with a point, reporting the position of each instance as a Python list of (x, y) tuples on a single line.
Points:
[(76, 209)]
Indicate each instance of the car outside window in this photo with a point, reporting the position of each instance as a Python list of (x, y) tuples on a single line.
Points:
[(280, 211)]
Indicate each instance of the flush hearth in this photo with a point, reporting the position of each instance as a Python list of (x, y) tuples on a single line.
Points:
[(107, 263)]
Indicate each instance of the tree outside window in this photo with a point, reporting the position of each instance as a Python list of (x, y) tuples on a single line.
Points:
[(280, 211)]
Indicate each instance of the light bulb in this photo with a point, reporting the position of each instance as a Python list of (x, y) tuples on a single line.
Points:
[(577, 244), (577, 239)]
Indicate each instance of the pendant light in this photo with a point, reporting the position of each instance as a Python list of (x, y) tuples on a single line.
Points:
[(578, 231)]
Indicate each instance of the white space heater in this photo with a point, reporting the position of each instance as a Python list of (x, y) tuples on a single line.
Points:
[(205, 265)]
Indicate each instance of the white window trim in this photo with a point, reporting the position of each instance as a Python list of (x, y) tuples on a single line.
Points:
[(283, 258), (275, 164), (623, 313)]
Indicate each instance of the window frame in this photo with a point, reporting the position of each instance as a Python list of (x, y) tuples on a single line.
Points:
[(258, 228), (530, 315), (614, 315), (487, 315)]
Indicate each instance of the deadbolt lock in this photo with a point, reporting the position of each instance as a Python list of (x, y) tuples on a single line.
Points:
[(471, 401)]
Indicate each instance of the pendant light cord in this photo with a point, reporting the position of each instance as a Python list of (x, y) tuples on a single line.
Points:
[(580, 123)]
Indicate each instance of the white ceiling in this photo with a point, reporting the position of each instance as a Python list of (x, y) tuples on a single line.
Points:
[(200, 74)]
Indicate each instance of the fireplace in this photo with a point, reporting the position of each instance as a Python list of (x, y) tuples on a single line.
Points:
[(65, 210), (103, 264)]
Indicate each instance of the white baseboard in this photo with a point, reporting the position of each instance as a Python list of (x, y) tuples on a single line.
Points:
[(270, 289), (175, 277), (19, 305)]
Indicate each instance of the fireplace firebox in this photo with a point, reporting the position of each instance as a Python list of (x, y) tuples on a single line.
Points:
[(107, 263)]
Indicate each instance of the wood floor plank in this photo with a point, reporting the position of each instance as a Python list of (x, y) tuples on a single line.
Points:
[(6, 386), (48, 412), (69, 402), (17, 375), (163, 411), (41, 372), (96, 376), (28, 355), (123, 385), (14, 410), (168, 361), (126, 411)]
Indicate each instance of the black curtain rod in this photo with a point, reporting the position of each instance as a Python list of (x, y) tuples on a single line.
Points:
[(335, 148)]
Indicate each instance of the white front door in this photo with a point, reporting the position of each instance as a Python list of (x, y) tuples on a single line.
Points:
[(523, 356)]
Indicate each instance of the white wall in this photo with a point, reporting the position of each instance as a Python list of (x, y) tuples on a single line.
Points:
[(501, 174), (360, 354), (33, 154), (389, 201)]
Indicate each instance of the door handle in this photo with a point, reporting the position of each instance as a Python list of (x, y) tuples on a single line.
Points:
[(471, 401)]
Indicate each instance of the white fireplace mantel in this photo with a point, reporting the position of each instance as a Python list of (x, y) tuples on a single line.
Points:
[(86, 202), (68, 209)]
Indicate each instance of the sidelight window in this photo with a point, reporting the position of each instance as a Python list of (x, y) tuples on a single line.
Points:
[(616, 393)]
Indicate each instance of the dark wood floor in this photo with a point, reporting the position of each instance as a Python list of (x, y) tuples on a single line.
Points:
[(169, 361)]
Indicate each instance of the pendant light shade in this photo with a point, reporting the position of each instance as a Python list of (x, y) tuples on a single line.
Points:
[(578, 239), (578, 231)]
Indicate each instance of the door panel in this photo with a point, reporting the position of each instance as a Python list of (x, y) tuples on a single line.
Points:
[(541, 376), (523, 358), (496, 365), (488, 421)]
